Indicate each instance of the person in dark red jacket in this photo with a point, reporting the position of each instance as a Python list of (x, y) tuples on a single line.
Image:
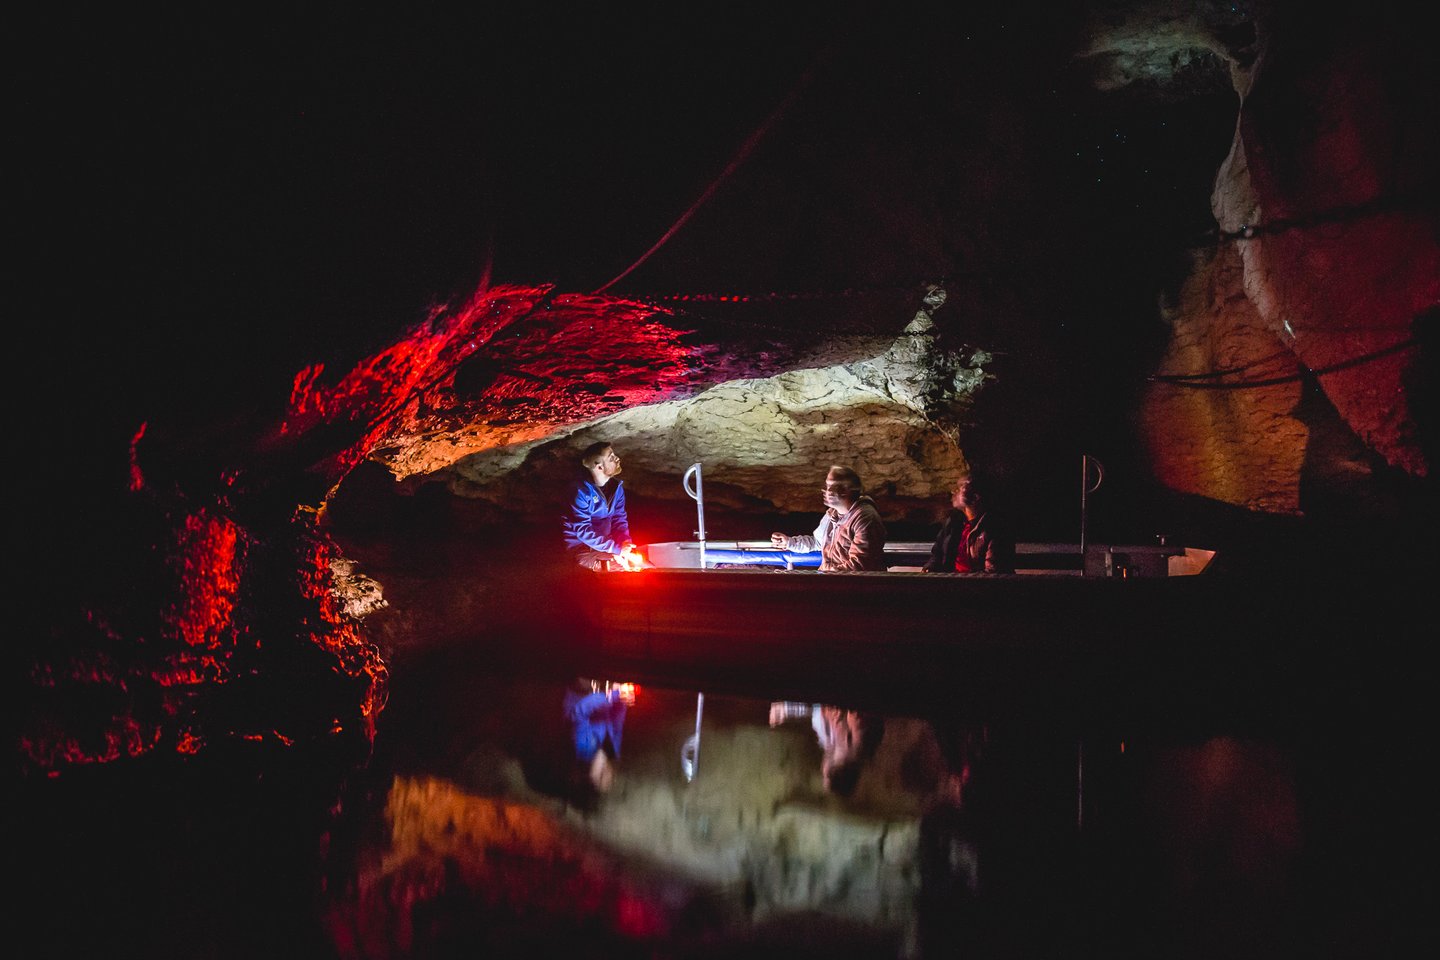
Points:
[(972, 539)]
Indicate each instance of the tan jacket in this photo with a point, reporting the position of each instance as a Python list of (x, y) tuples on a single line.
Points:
[(857, 541)]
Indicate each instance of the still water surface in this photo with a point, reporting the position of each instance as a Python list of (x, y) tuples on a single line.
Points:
[(471, 831), (482, 836)]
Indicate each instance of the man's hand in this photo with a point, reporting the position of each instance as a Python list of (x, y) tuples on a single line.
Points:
[(782, 710), (780, 540), (630, 558)]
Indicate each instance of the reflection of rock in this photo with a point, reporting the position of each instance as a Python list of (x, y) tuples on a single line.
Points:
[(489, 771), (750, 851), (859, 867), (456, 867), (757, 821)]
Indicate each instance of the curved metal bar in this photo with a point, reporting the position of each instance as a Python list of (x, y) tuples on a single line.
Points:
[(697, 493)]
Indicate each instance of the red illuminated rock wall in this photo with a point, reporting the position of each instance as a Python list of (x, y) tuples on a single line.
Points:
[(1326, 272)]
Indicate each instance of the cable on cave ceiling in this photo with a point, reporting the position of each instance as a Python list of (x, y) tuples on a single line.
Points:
[(1209, 239), (746, 148), (1190, 380), (1422, 199)]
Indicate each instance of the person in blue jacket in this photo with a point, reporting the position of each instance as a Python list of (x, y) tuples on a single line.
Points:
[(597, 530), (596, 711)]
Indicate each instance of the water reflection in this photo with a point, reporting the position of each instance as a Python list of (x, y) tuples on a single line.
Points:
[(952, 837), (491, 840), (848, 739), (596, 711)]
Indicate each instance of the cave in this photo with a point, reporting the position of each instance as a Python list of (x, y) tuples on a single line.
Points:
[(333, 302)]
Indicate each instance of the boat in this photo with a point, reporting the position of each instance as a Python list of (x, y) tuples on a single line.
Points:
[(1047, 559), (1082, 628), (759, 621)]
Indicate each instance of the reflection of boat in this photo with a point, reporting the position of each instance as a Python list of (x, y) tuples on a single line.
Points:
[(1051, 639)]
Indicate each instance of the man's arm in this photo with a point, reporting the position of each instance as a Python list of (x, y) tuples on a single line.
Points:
[(999, 553), (937, 549), (867, 549), (811, 543), (580, 523), (619, 519), (991, 555)]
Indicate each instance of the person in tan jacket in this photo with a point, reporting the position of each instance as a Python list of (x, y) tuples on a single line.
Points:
[(851, 535), (848, 739)]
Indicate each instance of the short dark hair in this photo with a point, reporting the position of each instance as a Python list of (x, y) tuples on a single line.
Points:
[(594, 453), (849, 476), (979, 487)]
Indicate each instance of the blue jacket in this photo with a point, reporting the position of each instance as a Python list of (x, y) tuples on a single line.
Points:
[(596, 719), (594, 522)]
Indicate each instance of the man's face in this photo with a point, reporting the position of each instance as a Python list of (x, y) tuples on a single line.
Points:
[(845, 745), (837, 493), (963, 495), (609, 463)]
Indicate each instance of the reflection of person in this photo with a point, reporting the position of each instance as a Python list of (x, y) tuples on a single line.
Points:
[(596, 711), (972, 539), (851, 535), (597, 529), (847, 739), (953, 845)]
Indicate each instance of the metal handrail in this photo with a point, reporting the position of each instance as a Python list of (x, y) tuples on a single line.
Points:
[(1086, 489), (690, 750), (697, 493)]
